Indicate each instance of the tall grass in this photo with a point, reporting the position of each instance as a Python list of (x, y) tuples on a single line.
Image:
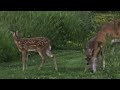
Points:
[(112, 55), (66, 30), (62, 28), (7, 50)]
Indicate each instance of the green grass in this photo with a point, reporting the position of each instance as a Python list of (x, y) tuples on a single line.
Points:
[(71, 65), (68, 32)]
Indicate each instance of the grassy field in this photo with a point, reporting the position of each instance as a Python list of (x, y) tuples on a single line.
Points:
[(69, 31), (71, 65)]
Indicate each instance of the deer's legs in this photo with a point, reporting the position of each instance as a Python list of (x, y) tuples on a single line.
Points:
[(103, 60), (43, 61), (55, 64), (103, 64), (48, 52), (24, 59), (94, 59)]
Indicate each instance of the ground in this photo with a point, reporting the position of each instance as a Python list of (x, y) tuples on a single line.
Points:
[(71, 65)]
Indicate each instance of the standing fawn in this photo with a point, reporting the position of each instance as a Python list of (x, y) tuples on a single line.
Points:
[(41, 45)]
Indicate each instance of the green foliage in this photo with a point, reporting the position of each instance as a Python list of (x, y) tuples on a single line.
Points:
[(7, 50), (66, 29)]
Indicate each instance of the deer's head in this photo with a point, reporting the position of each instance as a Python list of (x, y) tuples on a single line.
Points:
[(14, 33)]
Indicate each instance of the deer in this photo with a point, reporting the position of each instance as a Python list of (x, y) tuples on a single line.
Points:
[(109, 30), (42, 45), (89, 52)]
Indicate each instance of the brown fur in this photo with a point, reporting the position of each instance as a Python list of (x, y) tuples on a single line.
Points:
[(90, 47), (109, 30)]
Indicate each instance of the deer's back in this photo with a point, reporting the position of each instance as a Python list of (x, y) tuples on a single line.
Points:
[(31, 44)]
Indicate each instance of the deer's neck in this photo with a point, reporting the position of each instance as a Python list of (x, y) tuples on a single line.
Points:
[(16, 40)]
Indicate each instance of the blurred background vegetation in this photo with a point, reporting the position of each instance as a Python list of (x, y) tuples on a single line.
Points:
[(66, 29)]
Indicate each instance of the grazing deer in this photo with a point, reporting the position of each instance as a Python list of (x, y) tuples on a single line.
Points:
[(41, 45), (108, 30), (89, 51)]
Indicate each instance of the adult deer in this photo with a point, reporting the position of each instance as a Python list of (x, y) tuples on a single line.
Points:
[(89, 51), (41, 45), (108, 30)]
